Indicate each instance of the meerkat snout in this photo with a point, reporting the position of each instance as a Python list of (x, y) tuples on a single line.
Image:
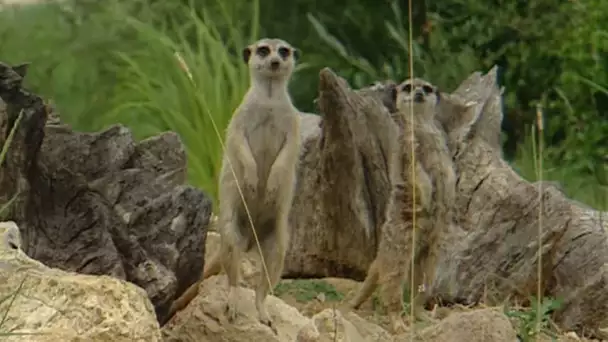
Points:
[(274, 65), (419, 96)]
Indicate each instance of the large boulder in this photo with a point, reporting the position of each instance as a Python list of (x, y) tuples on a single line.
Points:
[(42, 304), (100, 203)]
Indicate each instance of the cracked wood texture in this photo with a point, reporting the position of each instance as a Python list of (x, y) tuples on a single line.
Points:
[(343, 188), (101, 203)]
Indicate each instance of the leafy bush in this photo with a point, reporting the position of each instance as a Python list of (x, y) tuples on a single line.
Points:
[(114, 62)]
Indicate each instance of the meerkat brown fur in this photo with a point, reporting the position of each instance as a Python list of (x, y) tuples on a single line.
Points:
[(261, 154), (435, 157), (433, 166)]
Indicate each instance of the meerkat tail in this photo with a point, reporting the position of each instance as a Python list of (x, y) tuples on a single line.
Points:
[(182, 302)]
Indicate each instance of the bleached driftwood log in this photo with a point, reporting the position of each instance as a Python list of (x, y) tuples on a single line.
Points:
[(343, 188)]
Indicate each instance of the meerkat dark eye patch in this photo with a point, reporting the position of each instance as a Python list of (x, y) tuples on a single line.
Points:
[(284, 52), (262, 51), (407, 88), (427, 89)]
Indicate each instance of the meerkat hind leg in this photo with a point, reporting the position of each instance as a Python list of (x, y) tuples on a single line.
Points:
[(230, 239), (391, 294), (274, 248), (367, 288), (231, 258), (424, 271)]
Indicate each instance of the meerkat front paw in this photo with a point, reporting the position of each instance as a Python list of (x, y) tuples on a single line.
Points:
[(275, 180), (250, 181)]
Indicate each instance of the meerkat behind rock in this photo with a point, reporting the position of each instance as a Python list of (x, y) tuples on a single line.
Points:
[(435, 156), (262, 147), (435, 189)]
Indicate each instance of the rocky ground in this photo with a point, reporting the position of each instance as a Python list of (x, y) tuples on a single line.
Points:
[(48, 304), (306, 302)]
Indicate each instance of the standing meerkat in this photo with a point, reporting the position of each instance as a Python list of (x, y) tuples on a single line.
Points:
[(261, 154), (435, 189), (435, 156)]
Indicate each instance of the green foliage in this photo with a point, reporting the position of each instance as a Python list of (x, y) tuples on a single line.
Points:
[(586, 188), (70, 56), (394, 61), (116, 64), (555, 54), (103, 64), (527, 319), (306, 290)]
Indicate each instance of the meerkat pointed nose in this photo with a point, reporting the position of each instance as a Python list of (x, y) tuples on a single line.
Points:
[(274, 65), (419, 96)]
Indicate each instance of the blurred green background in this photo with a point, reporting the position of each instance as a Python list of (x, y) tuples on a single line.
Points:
[(106, 62)]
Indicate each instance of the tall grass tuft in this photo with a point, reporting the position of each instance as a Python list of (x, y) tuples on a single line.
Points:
[(591, 189), (154, 94)]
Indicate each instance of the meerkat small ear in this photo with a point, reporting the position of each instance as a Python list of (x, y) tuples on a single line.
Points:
[(392, 88), (296, 54), (246, 54), (391, 102), (438, 94)]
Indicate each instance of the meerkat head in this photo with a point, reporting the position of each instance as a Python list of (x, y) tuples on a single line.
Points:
[(271, 58), (420, 94)]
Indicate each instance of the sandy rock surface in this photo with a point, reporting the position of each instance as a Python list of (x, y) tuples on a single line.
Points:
[(63, 306)]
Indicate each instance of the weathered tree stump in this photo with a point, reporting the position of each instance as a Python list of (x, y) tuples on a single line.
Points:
[(101, 203), (343, 188)]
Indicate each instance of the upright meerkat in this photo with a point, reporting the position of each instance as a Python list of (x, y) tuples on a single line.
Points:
[(435, 156), (261, 155), (435, 189)]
